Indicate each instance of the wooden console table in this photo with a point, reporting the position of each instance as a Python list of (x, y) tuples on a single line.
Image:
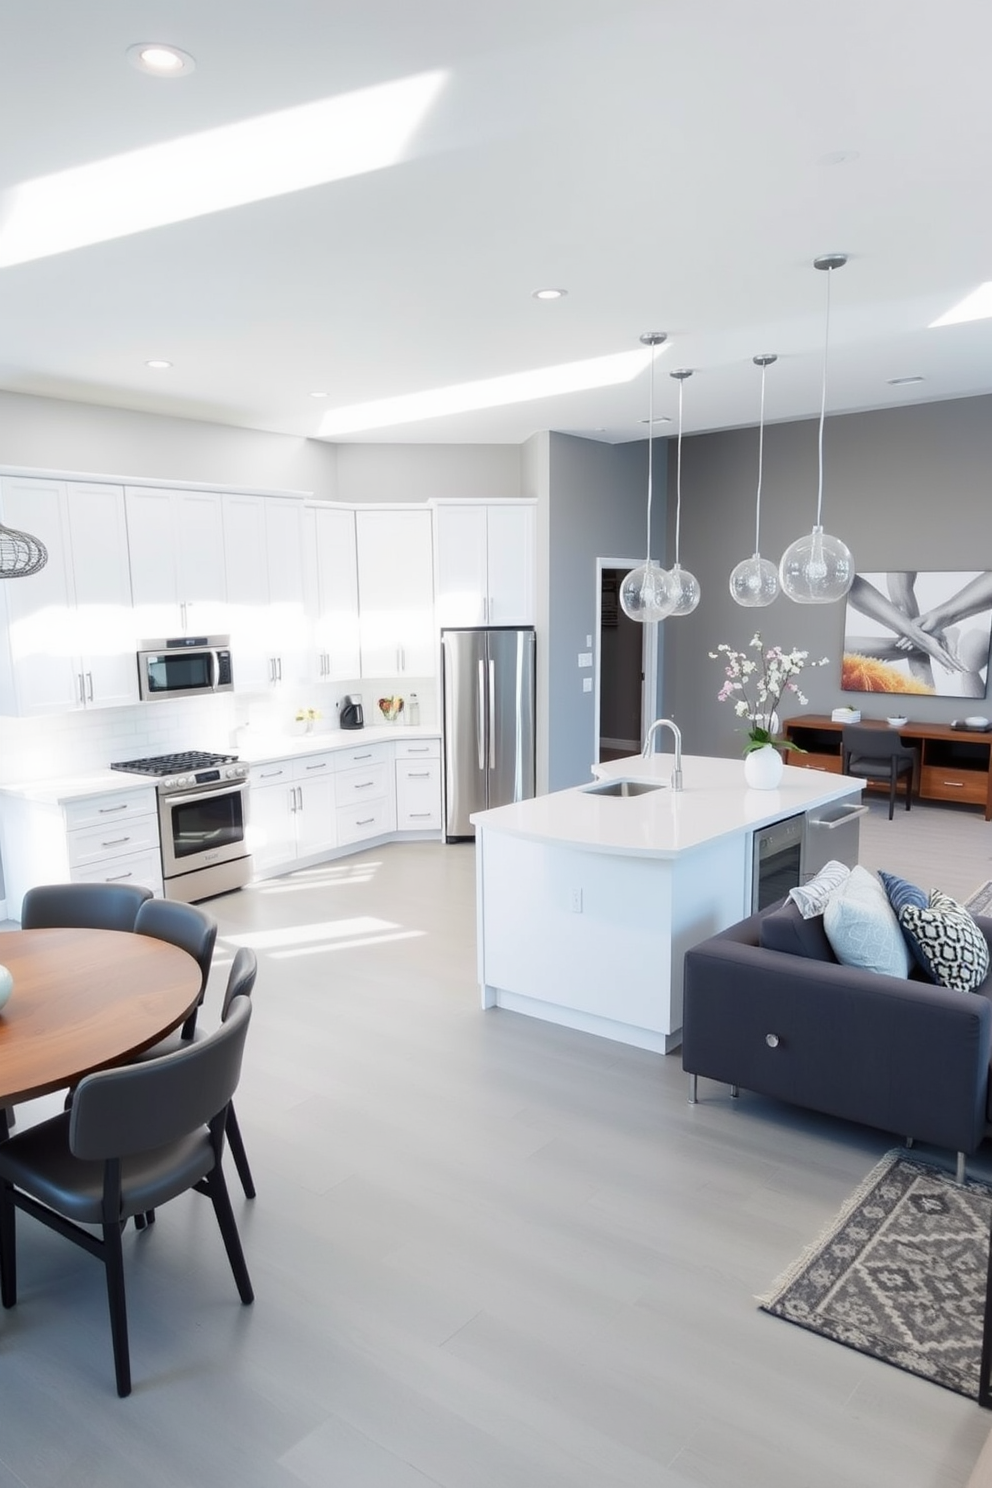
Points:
[(955, 764)]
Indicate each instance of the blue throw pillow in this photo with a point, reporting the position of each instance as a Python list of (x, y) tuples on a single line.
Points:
[(899, 893)]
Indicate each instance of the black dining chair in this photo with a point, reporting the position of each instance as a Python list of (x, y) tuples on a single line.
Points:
[(192, 930), (135, 1138), (82, 906), (878, 754)]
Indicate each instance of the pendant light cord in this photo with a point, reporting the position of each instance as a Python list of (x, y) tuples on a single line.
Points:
[(823, 402), (650, 446), (678, 482), (761, 462)]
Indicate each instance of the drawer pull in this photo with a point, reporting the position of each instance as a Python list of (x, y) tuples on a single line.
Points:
[(414, 814), (771, 1039), (419, 749), (366, 821), (270, 774), (116, 877), (364, 785), (106, 810), (419, 775), (115, 841), (362, 756), (955, 784), (321, 766)]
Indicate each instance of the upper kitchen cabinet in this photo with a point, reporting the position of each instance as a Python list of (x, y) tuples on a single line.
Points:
[(485, 563), (70, 634), (176, 540), (332, 593), (396, 591), (263, 549)]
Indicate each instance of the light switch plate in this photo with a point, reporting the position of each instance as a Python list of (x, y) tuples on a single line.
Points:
[(587, 684), (585, 658)]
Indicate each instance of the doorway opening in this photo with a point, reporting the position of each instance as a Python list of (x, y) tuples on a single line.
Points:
[(626, 667)]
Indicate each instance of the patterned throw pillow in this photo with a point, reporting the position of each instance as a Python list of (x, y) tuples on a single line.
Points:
[(862, 927), (948, 942), (900, 892), (811, 898)]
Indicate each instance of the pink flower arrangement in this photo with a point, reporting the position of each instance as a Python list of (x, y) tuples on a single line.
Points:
[(757, 684)]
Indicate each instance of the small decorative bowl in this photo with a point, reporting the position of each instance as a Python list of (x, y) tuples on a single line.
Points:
[(897, 721)]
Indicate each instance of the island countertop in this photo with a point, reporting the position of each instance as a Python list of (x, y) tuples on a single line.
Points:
[(715, 802)]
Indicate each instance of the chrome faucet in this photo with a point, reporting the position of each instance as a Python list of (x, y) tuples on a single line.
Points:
[(649, 744)]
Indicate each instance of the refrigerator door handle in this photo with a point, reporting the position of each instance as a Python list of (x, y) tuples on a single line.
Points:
[(481, 720), (492, 714)]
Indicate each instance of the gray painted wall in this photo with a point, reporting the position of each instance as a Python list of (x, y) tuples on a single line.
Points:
[(597, 506), (904, 488)]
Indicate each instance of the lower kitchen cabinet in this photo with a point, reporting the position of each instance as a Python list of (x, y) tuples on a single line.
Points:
[(418, 785), (111, 837), (291, 815)]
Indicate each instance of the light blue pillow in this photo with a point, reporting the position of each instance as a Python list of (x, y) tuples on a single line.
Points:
[(811, 898), (862, 928)]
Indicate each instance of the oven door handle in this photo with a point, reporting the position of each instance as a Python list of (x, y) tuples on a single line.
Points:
[(210, 795)]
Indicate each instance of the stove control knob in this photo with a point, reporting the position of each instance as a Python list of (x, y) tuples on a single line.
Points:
[(168, 784), (184, 780)]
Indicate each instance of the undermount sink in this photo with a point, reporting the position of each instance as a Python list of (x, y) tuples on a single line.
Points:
[(623, 787)]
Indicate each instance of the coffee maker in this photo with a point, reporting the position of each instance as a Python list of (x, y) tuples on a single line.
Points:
[(352, 716)]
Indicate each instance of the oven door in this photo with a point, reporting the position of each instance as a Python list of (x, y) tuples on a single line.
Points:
[(200, 828)]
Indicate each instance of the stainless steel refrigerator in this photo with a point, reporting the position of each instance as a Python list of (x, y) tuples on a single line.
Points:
[(488, 702)]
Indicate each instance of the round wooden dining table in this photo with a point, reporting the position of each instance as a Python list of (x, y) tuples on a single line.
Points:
[(84, 1000)]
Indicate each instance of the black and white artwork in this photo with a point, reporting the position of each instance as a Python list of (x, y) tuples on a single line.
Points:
[(918, 632)]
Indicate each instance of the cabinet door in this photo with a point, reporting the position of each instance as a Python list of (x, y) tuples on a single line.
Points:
[(271, 817), (286, 617), (510, 534), (105, 631), (316, 819), (152, 548), (336, 618), (462, 581), (395, 593), (202, 591), (247, 576), (42, 675)]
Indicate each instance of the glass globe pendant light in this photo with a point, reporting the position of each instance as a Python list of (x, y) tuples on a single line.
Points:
[(684, 585), (754, 582), (819, 569), (646, 593)]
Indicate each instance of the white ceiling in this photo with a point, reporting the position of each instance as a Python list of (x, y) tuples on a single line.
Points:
[(672, 164)]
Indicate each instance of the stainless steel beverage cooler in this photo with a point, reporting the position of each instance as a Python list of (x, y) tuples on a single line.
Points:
[(832, 833)]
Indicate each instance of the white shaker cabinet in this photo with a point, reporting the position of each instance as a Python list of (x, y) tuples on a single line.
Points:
[(332, 568), (176, 542), (485, 563), (396, 592), (69, 632), (263, 553), (418, 785), (291, 811)]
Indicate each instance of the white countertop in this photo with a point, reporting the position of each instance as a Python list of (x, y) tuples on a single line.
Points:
[(251, 751), (714, 802)]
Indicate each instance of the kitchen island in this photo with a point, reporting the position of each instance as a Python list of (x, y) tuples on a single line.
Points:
[(587, 902)]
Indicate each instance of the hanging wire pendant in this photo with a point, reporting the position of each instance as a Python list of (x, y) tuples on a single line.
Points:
[(754, 582), (20, 554), (819, 569), (646, 592), (684, 585)]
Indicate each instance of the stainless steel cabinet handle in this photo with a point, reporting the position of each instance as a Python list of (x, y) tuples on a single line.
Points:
[(116, 877), (321, 766), (419, 775), (115, 842), (414, 814), (361, 756), (419, 749), (82, 690), (363, 785), (106, 810), (89, 686), (278, 668), (365, 821), (269, 774), (299, 796)]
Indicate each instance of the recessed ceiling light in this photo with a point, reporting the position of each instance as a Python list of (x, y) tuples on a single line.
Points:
[(549, 294), (159, 60), (490, 392), (976, 306), (904, 381), (158, 365)]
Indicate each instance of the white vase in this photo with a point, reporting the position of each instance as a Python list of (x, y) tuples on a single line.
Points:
[(763, 768)]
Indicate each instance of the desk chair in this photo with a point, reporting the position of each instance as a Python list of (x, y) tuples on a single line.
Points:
[(85, 906), (135, 1137), (878, 754)]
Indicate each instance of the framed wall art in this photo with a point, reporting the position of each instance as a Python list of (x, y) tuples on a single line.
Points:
[(919, 632)]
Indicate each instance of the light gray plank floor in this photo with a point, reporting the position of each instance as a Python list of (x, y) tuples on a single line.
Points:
[(487, 1252)]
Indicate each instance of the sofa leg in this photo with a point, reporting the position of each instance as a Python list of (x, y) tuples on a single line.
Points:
[(959, 1175), (735, 1091), (910, 1141), (693, 1083)]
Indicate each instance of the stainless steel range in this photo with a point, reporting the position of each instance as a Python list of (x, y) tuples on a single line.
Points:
[(202, 816)]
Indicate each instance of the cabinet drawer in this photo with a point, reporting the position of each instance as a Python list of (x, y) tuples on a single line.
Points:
[(418, 749), (313, 766), (144, 869), (361, 755), (368, 784), (418, 795), (115, 806), (114, 839), (950, 783), (830, 763), (358, 821)]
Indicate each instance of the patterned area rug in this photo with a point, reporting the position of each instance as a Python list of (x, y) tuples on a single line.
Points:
[(980, 902), (900, 1274)]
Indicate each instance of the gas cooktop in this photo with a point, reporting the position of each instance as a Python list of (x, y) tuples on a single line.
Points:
[(174, 764)]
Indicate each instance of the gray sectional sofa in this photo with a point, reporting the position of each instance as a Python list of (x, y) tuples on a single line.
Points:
[(768, 1008)]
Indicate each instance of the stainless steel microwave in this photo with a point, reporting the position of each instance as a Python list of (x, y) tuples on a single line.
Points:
[(185, 666)]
